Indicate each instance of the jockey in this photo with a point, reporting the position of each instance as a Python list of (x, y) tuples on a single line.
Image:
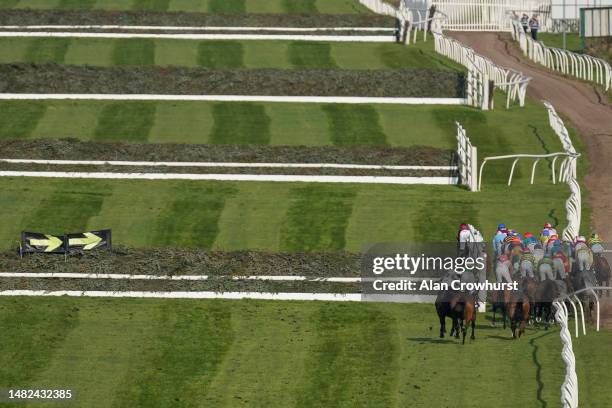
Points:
[(499, 237), (463, 235), (560, 264), (544, 236), (580, 243), (503, 269), (538, 252), (527, 263), (553, 244), (548, 227), (596, 244), (546, 268), (529, 241)]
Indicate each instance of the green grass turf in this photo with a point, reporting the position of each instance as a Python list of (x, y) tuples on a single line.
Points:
[(211, 6), (271, 216), (556, 40), (496, 132), (169, 353), (223, 54)]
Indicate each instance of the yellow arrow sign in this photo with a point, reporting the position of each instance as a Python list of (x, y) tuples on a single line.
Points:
[(51, 243), (90, 241)]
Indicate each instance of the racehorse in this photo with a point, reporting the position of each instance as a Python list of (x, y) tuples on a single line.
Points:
[(464, 304), (547, 291), (518, 312), (602, 271), (444, 310), (529, 288), (499, 302)]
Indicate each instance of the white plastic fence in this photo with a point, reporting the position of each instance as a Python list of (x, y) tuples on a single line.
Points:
[(536, 159), (489, 15), (567, 172), (467, 159), (380, 7), (513, 83), (566, 62), (569, 389)]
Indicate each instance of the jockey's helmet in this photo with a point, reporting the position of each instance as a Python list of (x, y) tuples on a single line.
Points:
[(528, 235), (548, 225), (501, 227), (464, 227)]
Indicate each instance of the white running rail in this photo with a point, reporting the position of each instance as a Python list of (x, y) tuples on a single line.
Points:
[(380, 7), (580, 66), (536, 159), (569, 389), (488, 15), (467, 159), (568, 175), (513, 83)]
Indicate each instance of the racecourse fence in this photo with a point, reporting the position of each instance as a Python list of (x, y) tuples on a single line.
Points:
[(481, 70), (580, 66), (467, 159), (567, 174)]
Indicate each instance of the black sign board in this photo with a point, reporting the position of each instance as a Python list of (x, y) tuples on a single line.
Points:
[(87, 241), (43, 243), (35, 242)]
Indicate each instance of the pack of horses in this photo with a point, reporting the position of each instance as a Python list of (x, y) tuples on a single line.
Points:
[(532, 304)]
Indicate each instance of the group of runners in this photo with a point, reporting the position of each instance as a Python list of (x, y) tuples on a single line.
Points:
[(543, 256)]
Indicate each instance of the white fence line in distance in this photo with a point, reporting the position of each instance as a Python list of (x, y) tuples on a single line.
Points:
[(580, 66)]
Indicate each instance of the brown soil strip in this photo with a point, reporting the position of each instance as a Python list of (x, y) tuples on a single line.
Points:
[(586, 107), (53, 78), (73, 149), (74, 17)]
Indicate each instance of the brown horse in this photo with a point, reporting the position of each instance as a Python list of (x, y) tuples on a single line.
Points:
[(499, 301), (602, 271), (464, 304), (529, 287), (518, 312)]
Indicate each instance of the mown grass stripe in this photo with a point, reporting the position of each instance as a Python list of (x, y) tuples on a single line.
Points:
[(189, 366), (191, 218), (125, 121), (300, 6), (41, 50), (76, 4), (317, 218), (220, 54), (364, 337), (18, 120), (153, 5), (7, 4), (74, 119), (311, 55), (134, 52), (227, 6), (99, 352), (48, 325), (67, 209), (240, 123), (353, 125)]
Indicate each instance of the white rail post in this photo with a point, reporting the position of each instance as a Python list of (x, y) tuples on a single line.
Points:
[(569, 389)]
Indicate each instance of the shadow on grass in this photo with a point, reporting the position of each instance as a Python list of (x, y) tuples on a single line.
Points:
[(432, 341), (534, 357)]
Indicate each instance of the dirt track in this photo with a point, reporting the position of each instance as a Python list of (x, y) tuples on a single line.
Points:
[(587, 109)]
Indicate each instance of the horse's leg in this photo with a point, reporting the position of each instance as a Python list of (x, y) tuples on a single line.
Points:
[(442, 324), (459, 323), (472, 337)]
